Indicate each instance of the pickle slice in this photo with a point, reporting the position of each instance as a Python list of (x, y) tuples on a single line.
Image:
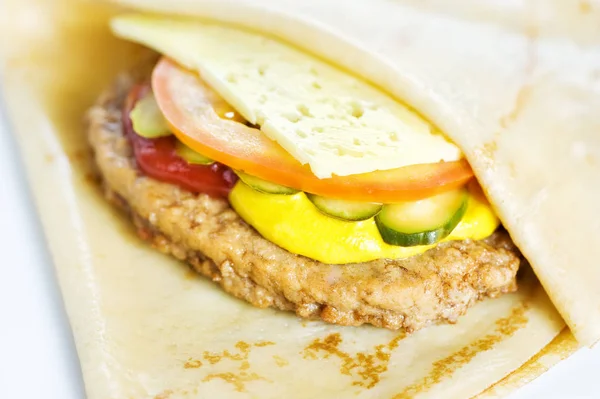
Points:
[(345, 210), (265, 186), (422, 222), (147, 120), (190, 155)]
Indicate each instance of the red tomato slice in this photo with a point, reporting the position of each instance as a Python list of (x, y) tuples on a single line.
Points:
[(189, 105), (157, 158)]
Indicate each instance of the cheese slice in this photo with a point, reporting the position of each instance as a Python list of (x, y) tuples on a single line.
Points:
[(324, 117)]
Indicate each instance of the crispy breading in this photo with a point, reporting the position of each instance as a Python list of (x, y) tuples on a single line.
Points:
[(438, 285)]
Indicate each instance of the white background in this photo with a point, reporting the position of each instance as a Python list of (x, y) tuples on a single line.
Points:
[(37, 354)]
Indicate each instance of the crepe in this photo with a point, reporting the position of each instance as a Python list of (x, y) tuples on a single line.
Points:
[(147, 327), (516, 87)]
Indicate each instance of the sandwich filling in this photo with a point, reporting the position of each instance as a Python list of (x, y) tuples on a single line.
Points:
[(329, 230), (287, 160), (409, 293), (293, 184)]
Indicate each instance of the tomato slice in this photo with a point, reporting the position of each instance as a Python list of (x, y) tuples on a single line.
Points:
[(157, 158), (189, 105)]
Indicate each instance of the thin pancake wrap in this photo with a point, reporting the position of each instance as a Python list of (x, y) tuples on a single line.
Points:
[(146, 327), (516, 87)]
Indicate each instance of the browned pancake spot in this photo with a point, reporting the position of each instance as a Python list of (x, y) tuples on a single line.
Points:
[(241, 346), (164, 394), (444, 368), (244, 351), (264, 343), (241, 355), (365, 368), (238, 380), (488, 152), (192, 364), (280, 361), (562, 346)]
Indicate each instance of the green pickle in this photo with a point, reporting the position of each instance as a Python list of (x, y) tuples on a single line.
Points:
[(147, 119), (265, 186), (190, 155), (345, 210), (422, 222)]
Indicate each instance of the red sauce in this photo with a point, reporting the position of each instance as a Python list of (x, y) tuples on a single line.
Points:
[(157, 158)]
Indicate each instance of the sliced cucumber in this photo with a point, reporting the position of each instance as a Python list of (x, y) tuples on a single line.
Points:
[(147, 119), (265, 186), (190, 155), (422, 222), (345, 210)]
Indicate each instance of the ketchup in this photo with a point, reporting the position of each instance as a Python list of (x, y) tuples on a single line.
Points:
[(157, 158)]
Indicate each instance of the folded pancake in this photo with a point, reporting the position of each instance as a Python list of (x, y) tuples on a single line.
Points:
[(147, 328), (527, 126), (383, 241), (410, 292)]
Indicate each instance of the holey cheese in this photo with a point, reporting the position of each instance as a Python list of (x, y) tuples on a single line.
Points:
[(324, 117)]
